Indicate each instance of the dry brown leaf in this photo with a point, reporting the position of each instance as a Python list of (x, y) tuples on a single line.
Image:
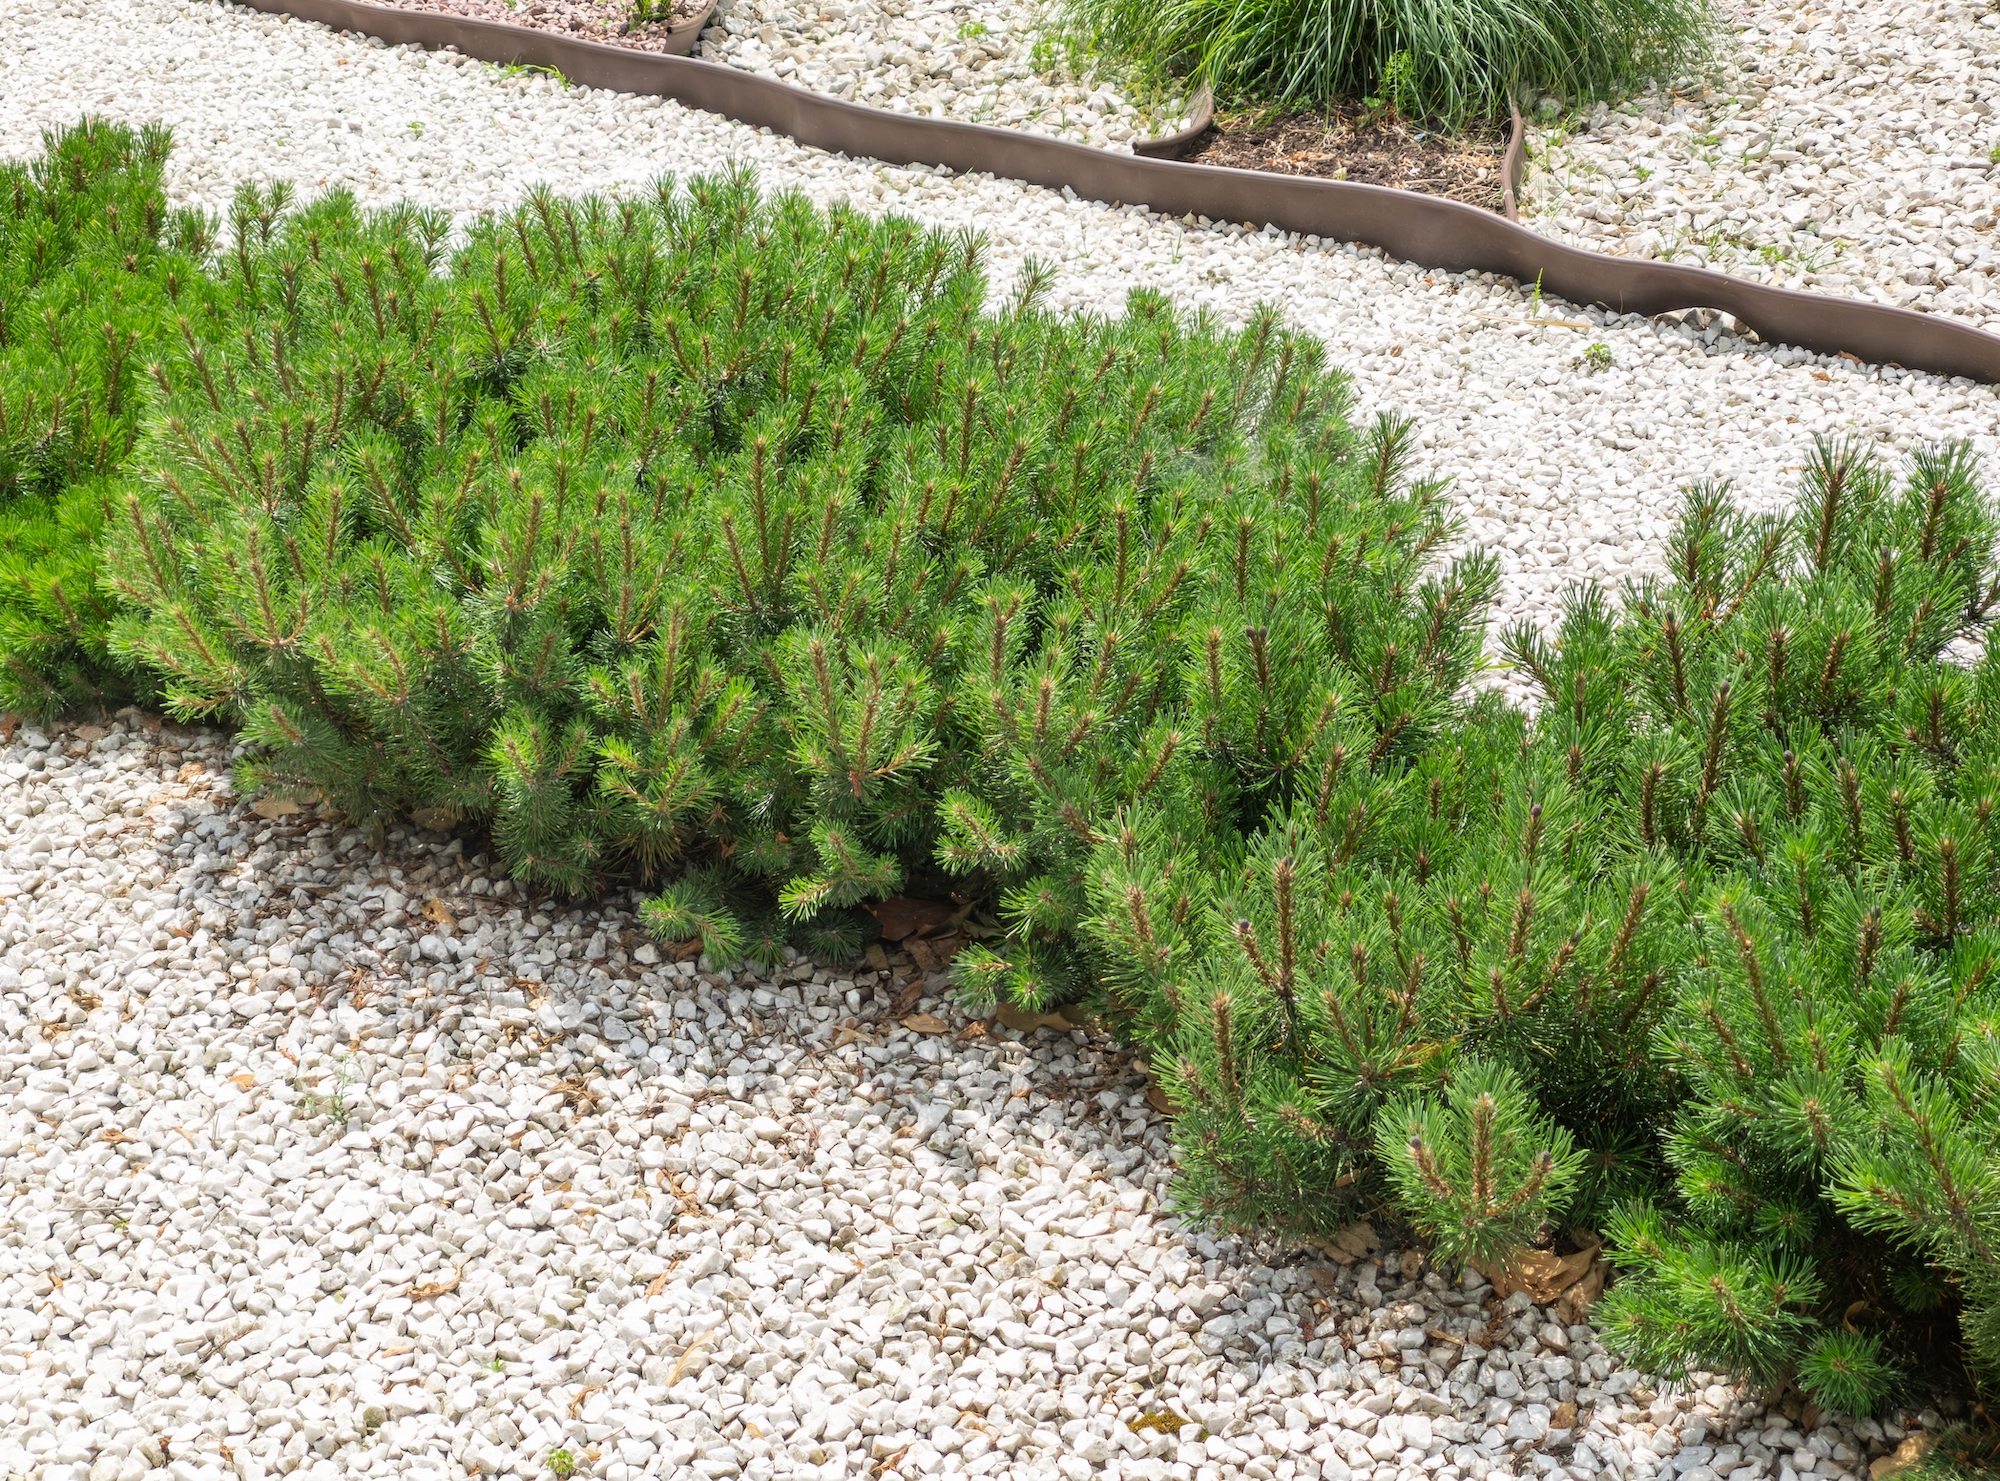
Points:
[(434, 819), (113, 1136), (439, 912), (441, 1288), (900, 917), (657, 1284), (1158, 1099), (91, 732), (685, 1197), (689, 1358), (926, 1023), (1159, 1421), (1544, 1276), (1907, 1456), (1563, 1416), (1573, 1306), (576, 1403), (244, 1081), (274, 807), (973, 1030), (907, 999), (1022, 1021), (849, 1034), (1355, 1242)]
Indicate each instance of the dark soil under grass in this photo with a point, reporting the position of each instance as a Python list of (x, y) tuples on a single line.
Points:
[(1369, 150)]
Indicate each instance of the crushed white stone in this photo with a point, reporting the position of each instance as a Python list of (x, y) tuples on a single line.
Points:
[(1565, 470), (977, 61), (1848, 147), (322, 1162), (302, 1178)]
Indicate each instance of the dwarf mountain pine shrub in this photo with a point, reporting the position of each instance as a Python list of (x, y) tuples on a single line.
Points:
[(713, 541), (717, 541), (91, 265), (1724, 906)]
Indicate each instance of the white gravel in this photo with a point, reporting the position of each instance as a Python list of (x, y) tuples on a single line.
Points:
[(1565, 470), (972, 60), (1846, 146), (324, 1163), (258, 1096)]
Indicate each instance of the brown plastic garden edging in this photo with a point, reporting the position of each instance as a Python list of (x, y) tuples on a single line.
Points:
[(1429, 231), (682, 35), (1511, 162), (1173, 146)]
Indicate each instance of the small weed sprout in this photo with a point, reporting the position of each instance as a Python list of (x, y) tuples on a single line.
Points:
[(971, 30), (1598, 357), (561, 1464), (332, 1104)]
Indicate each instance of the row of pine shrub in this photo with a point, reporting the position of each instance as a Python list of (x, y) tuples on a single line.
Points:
[(757, 556)]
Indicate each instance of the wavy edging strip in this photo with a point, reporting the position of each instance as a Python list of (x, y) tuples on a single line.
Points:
[(1429, 231)]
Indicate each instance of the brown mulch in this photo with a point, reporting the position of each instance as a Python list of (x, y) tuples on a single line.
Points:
[(1371, 151), (609, 21)]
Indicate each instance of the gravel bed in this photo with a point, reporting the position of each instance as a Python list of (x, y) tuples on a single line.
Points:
[(611, 22), (961, 59), (324, 1162), (1563, 469), (291, 1164), (1849, 147), (973, 60)]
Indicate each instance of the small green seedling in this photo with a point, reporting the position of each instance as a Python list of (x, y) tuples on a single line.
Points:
[(331, 1104), (562, 1464), (1598, 357)]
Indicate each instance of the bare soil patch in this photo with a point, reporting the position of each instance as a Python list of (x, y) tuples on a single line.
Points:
[(1367, 149)]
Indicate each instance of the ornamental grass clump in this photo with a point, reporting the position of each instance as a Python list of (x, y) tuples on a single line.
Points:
[(1456, 62), (1703, 954)]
